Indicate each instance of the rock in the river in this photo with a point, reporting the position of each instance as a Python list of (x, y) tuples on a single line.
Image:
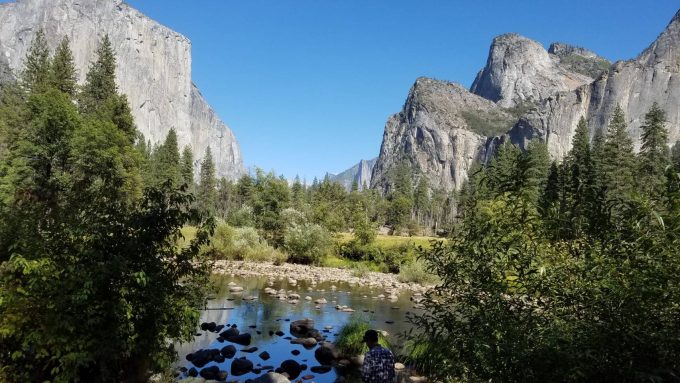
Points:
[(399, 366), (242, 339), (241, 366), (264, 355), (228, 351), (320, 369), (302, 327), (291, 367), (326, 353), (210, 372), (271, 377), (236, 289)]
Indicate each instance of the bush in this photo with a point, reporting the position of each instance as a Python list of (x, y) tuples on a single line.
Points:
[(416, 271), (241, 217), (242, 243), (350, 338), (389, 259), (307, 243)]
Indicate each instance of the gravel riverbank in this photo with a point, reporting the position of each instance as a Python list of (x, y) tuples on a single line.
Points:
[(315, 274)]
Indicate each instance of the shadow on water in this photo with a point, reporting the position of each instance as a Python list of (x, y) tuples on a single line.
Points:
[(263, 316)]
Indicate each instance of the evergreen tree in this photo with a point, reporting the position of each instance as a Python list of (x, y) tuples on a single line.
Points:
[(36, 74), (63, 70), (675, 156), (618, 161), (166, 160), (100, 81), (207, 189), (187, 166), (654, 153), (580, 166)]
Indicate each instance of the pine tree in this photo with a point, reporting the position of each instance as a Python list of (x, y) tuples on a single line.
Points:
[(675, 156), (100, 81), (63, 70), (36, 74), (580, 167), (187, 167), (207, 189), (166, 160), (618, 162), (654, 153)]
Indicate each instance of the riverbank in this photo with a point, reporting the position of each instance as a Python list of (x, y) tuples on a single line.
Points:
[(316, 274)]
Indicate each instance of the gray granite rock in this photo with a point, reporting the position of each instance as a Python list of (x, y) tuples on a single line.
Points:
[(441, 132), (154, 68)]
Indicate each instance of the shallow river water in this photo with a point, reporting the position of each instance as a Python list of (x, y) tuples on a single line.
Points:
[(266, 314)]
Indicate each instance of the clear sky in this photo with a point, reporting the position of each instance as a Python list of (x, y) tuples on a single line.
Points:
[(307, 85)]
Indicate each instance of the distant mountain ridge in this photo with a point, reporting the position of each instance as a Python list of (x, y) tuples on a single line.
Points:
[(526, 92), (359, 173)]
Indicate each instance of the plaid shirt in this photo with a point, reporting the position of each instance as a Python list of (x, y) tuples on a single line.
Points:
[(378, 366)]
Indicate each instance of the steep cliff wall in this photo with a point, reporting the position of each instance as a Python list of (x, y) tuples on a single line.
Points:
[(654, 76), (436, 134), (360, 173), (154, 68)]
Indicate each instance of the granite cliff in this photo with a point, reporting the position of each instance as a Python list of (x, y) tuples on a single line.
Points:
[(154, 68), (526, 92), (359, 173)]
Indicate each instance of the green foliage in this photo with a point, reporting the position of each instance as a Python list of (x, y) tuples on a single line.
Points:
[(63, 71), (207, 189), (416, 271), (350, 337), (307, 243), (578, 285), (242, 243), (487, 123), (81, 242), (35, 76), (187, 166), (654, 153), (100, 81)]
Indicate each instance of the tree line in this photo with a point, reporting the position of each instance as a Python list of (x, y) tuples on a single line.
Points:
[(93, 286), (562, 271)]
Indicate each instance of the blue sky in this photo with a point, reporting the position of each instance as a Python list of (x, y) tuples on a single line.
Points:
[(307, 85)]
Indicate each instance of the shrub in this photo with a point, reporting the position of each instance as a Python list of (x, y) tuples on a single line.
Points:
[(350, 338), (307, 243), (416, 271), (242, 243)]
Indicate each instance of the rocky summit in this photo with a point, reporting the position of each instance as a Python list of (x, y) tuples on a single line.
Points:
[(526, 92), (156, 76), (441, 132)]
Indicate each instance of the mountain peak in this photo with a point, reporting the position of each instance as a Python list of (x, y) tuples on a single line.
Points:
[(665, 47)]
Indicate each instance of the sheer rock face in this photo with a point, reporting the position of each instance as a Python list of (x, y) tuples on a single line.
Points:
[(520, 70), (654, 76), (361, 173), (433, 135), (154, 68)]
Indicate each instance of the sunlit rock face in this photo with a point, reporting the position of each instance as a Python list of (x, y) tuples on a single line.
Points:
[(653, 76), (539, 94), (154, 68), (436, 133)]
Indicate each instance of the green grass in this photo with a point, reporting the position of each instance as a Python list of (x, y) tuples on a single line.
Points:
[(391, 241), (350, 338)]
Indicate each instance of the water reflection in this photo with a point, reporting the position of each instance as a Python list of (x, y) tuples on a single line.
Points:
[(266, 315)]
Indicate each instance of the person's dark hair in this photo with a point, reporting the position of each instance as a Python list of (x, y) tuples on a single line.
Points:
[(371, 335)]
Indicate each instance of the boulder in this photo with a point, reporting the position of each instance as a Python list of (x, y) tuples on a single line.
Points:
[(326, 353), (399, 366), (228, 351), (264, 355), (241, 366), (210, 372), (301, 328), (242, 339), (291, 367), (231, 331)]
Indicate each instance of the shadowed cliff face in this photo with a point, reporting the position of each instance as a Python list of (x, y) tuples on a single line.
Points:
[(360, 173), (154, 68), (436, 132)]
